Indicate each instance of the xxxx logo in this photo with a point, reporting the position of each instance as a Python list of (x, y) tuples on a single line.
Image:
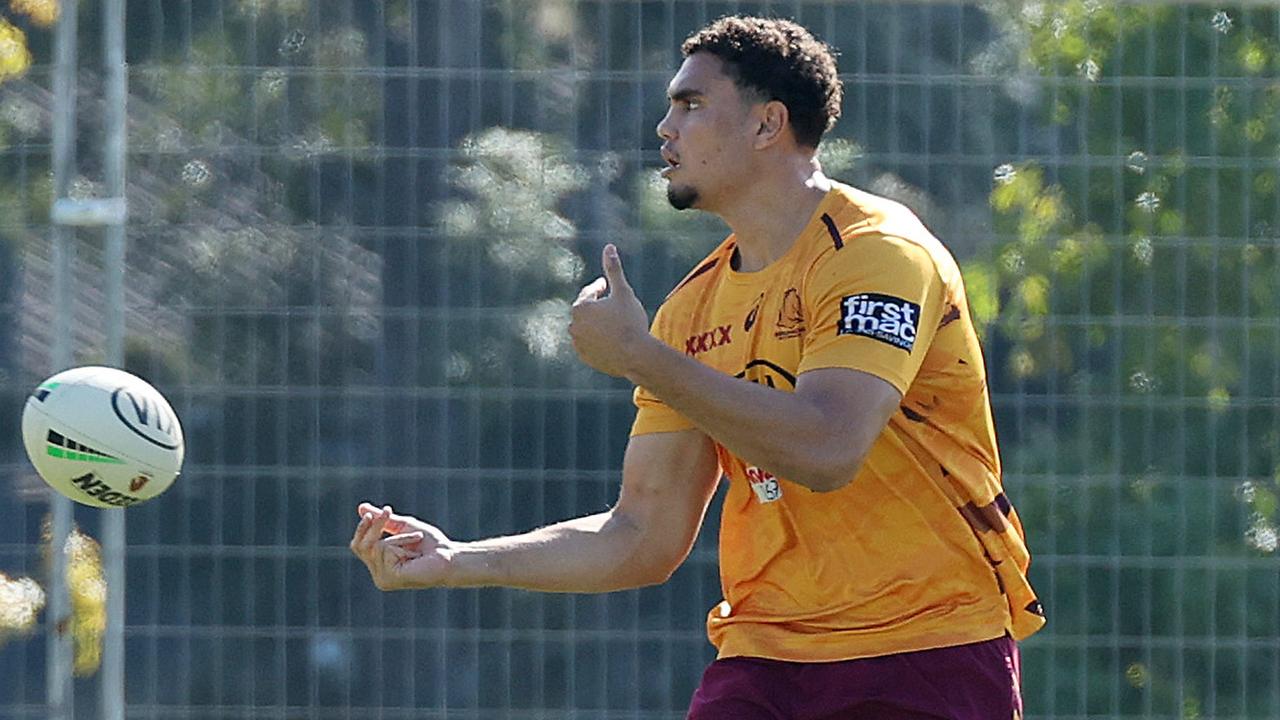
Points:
[(703, 342)]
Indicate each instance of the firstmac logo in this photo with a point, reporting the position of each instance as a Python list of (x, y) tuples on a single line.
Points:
[(886, 318)]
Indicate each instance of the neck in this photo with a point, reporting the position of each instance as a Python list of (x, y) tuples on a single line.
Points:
[(769, 216)]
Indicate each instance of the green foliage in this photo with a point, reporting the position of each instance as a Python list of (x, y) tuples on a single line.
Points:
[(21, 600), (542, 35), (1156, 248), (87, 592), (683, 235), (1137, 285), (510, 185), (840, 157), (321, 110), (1129, 294), (15, 58)]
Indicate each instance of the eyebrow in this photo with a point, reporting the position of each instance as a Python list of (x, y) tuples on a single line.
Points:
[(685, 94)]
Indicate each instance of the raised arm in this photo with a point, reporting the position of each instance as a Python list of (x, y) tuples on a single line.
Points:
[(667, 482), (816, 436)]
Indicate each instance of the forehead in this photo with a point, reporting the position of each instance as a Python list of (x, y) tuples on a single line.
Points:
[(701, 73)]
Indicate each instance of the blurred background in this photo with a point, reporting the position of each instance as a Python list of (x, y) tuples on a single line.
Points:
[(354, 231)]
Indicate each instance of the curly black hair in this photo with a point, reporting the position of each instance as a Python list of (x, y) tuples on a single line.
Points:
[(778, 60)]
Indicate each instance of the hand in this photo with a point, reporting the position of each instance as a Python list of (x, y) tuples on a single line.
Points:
[(414, 555), (607, 329)]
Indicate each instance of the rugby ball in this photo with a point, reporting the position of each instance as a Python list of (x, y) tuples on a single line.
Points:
[(102, 437)]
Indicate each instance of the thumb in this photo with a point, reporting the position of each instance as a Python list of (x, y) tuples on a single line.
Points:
[(613, 271)]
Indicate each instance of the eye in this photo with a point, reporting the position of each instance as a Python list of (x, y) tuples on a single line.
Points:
[(692, 104)]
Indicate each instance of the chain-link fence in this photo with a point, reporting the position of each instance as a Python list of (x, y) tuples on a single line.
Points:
[(354, 231)]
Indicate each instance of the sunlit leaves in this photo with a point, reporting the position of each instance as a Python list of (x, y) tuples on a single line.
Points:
[(44, 13), (839, 156), (87, 589), (510, 185), (257, 8), (15, 58), (21, 600), (982, 288), (545, 329)]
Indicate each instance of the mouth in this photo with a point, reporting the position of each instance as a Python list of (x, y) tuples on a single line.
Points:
[(672, 164)]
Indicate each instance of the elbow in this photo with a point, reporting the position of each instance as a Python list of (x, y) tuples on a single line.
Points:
[(654, 564), (653, 550), (632, 578), (836, 473), (829, 483), (640, 575), (658, 570), (653, 579)]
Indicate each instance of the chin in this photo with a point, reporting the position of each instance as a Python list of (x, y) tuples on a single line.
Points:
[(682, 197)]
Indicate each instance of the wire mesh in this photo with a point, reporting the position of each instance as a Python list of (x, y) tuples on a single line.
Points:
[(354, 230)]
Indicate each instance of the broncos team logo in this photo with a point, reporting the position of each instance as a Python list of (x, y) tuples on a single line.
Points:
[(790, 316)]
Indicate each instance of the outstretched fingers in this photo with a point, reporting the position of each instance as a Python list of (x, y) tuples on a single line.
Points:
[(593, 291), (369, 531), (394, 523), (362, 529), (405, 539)]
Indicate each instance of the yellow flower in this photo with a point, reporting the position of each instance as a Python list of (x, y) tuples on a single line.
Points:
[(21, 600), (42, 12), (15, 58), (87, 587), (87, 590)]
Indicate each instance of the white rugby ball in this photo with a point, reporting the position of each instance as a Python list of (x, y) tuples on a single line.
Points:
[(102, 437)]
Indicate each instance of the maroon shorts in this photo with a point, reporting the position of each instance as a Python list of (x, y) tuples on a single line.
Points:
[(979, 681)]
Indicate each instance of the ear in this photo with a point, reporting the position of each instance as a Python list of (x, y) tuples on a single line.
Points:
[(773, 118)]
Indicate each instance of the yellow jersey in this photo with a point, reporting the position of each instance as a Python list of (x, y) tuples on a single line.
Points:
[(922, 549)]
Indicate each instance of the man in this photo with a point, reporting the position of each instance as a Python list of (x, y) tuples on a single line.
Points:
[(823, 358)]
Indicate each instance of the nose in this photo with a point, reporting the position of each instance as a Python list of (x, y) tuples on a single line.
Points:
[(665, 131)]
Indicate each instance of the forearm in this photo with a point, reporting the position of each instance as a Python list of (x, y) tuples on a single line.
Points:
[(596, 553), (778, 431)]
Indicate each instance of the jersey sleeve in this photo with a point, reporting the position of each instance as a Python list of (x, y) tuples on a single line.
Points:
[(653, 415), (875, 307)]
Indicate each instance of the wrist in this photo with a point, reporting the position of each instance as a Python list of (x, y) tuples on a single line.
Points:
[(465, 566), (640, 358)]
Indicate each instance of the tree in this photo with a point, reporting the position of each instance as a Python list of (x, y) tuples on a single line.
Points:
[(1133, 303)]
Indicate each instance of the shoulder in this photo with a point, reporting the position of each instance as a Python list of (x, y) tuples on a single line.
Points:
[(704, 272), (687, 298), (871, 234)]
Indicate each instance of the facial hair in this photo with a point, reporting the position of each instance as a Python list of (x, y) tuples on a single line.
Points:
[(682, 198)]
